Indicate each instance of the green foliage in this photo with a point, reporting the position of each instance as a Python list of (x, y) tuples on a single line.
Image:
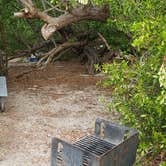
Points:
[(140, 98), (139, 89), (150, 34), (19, 32)]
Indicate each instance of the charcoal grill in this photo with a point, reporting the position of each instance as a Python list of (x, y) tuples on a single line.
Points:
[(3, 93), (111, 145)]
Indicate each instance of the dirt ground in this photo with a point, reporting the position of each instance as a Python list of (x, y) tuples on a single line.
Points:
[(61, 101)]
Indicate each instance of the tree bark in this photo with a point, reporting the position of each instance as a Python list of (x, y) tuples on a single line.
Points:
[(55, 51), (3, 52), (56, 23), (93, 59)]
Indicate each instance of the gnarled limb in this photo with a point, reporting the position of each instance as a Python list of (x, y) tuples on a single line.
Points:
[(55, 51), (56, 23)]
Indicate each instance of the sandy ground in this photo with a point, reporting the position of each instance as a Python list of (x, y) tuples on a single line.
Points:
[(60, 101)]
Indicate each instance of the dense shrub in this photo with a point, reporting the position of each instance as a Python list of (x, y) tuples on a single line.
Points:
[(139, 86), (140, 97)]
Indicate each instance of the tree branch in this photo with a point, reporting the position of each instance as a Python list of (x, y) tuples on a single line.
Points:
[(104, 40), (56, 23), (55, 51)]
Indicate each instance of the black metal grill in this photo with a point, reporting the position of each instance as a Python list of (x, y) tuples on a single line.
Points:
[(117, 147)]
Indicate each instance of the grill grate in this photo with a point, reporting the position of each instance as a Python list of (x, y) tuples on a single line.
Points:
[(90, 144), (94, 145)]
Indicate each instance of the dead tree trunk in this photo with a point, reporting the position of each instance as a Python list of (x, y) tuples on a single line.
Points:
[(3, 54), (92, 59)]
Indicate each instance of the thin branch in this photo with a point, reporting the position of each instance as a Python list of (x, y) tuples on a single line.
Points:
[(104, 40), (44, 5), (41, 60), (54, 8)]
